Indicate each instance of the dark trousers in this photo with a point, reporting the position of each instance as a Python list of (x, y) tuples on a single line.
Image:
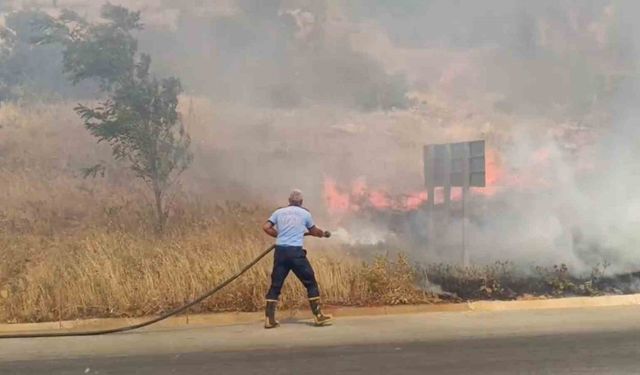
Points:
[(292, 258)]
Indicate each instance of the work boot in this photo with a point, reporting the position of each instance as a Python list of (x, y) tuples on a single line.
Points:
[(270, 315), (319, 318)]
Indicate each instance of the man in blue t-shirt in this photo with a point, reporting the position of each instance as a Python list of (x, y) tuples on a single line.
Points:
[(289, 225)]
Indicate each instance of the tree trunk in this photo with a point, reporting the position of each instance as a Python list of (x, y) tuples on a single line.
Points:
[(161, 216)]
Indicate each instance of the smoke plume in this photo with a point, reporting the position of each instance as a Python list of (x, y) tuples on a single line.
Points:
[(318, 93)]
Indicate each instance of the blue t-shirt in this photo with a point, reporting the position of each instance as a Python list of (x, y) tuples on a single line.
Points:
[(291, 223)]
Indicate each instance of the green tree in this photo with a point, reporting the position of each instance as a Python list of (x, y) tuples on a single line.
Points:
[(138, 118), (27, 71)]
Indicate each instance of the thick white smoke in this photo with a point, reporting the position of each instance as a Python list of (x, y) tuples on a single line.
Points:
[(290, 92)]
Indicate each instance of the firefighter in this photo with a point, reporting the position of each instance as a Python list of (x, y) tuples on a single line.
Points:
[(289, 225)]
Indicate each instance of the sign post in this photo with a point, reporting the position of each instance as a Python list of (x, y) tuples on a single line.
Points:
[(454, 165)]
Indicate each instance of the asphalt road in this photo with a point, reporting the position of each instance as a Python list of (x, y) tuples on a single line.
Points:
[(585, 341), (609, 353)]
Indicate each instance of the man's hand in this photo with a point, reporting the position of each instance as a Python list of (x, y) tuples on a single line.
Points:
[(317, 232)]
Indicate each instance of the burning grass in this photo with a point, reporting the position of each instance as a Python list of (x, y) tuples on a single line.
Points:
[(506, 281)]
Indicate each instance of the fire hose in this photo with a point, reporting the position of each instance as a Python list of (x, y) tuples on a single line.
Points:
[(151, 321)]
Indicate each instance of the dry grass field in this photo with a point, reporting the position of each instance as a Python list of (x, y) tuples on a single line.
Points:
[(76, 248), (115, 274), (72, 247)]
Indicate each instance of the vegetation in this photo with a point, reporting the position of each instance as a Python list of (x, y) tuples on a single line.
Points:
[(139, 118), (506, 281), (102, 274), (74, 248), (29, 73)]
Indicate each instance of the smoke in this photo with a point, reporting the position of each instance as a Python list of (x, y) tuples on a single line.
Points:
[(294, 92)]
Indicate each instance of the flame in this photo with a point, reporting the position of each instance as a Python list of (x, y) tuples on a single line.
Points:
[(359, 187), (498, 179), (415, 200), (337, 202), (358, 195), (494, 170), (379, 199), (342, 200), (494, 175)]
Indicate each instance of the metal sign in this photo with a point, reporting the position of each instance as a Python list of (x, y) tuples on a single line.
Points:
[(455, 165)]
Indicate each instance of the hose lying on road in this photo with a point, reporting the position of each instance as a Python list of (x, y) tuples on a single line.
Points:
[(149, 322)]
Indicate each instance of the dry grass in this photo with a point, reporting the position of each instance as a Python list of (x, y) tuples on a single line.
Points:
[(116, 274), (75, 248)]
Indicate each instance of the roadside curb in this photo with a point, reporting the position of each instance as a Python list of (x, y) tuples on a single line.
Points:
[(235, 318), (558, 303)]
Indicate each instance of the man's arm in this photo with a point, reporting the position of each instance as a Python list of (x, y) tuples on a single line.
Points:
[(269, 229), (313, 230), (317, 232)]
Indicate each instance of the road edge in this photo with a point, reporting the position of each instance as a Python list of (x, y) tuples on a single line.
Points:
[(235, 318)]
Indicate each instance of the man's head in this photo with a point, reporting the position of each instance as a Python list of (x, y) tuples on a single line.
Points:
[(295, 198)]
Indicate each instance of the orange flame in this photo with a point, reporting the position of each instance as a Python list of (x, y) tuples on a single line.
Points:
[(342, 200), (345, 200), (379, 199), (337, 202), (415, 200)]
